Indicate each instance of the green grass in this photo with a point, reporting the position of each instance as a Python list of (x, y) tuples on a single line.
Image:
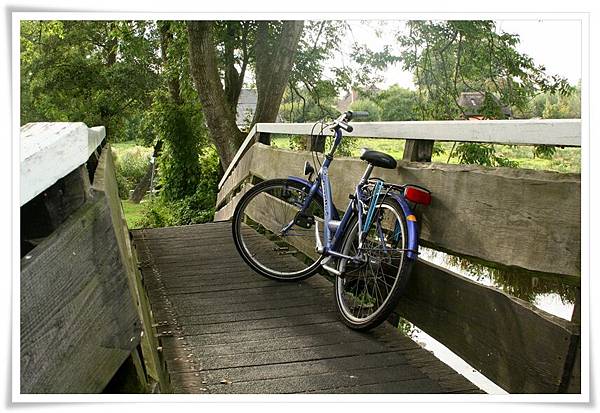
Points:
[(122, 146), (564, 160), (134, 213)]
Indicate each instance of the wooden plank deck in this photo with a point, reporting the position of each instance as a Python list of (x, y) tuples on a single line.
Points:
[(226, 329)]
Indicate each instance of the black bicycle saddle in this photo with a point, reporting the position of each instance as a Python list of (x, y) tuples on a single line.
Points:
[(380, 159)]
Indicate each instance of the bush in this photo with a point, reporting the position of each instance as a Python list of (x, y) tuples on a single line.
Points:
[(196, 208), (130, 167)]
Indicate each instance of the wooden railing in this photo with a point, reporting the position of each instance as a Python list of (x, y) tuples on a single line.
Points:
[(83, 308), (514, 218)]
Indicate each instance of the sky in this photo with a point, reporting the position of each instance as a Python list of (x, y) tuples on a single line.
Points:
[(556, 44)]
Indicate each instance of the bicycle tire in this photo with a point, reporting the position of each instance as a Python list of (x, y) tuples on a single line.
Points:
[(343, 298), (250, 254)]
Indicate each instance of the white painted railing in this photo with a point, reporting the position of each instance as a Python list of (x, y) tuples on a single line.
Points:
[(50, 151), (560, 132)]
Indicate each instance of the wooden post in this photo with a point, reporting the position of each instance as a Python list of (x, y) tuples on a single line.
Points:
[(264, 138), (417, 150), (571, 379), (315, 143)]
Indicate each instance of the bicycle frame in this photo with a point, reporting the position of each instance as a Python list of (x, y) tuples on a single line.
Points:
[(333, 229)]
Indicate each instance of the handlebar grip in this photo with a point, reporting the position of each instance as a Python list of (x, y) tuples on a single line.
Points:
[(360, 114), (345, 126)]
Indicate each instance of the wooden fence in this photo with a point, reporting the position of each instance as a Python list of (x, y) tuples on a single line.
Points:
[(510, 217), (83, 308)]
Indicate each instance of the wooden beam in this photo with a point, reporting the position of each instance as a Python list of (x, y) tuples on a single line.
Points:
[(78, 323), (236, 176), (105, 182), (240, 153), (516, 345), (50, 151), (562, 132), (47, 211)]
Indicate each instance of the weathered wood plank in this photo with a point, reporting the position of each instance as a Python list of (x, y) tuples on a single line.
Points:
[(241, 153), (105, 182), (227, 211), (516, 345), (49, 151), (239, 174), (268, 337), (45, 212), (563, 132), (503, 215), (73, 284)]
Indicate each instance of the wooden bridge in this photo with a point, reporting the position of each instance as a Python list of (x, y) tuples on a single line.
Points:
[(225, 329), (176, 309)]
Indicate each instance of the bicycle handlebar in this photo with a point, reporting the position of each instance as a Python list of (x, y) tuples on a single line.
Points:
[(343, 120), (360, 114)]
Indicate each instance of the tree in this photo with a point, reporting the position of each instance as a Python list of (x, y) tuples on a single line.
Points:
[(367, 105), (288, 60), (450, 57), (397, 104), (272, 54), (97, 72)]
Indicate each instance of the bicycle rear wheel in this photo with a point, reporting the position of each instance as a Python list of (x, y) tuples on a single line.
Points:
[(269, 234), (369, 291)]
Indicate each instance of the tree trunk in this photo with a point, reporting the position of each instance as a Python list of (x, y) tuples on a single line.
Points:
[(274, 62), (274, 57), (172, 80), (220, 117), (142, 187)]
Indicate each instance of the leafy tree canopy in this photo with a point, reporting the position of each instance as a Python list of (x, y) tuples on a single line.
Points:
[(450, 57), (95, 72)]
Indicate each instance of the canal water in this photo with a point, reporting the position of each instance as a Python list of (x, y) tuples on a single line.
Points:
[(552, 293)]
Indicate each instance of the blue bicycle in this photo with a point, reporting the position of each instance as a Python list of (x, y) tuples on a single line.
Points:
[(369, 250)]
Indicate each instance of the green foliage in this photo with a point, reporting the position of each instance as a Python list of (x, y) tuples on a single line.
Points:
[(481, 154), (555, 106), (397, 104), (368, 106), (177, 120), (195, 208), (177, 125), (134, 213), (130, 167), (450, 57), (299, 105), (314, 86), (97, 72)]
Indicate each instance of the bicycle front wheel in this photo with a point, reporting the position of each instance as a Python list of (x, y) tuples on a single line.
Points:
[(271, 236), (369, 290)]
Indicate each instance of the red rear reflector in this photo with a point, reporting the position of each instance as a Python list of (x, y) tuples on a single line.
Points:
[(417, 195)]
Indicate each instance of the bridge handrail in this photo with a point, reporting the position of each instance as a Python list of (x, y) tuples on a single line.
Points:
[(51, 150), (559, 132)]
